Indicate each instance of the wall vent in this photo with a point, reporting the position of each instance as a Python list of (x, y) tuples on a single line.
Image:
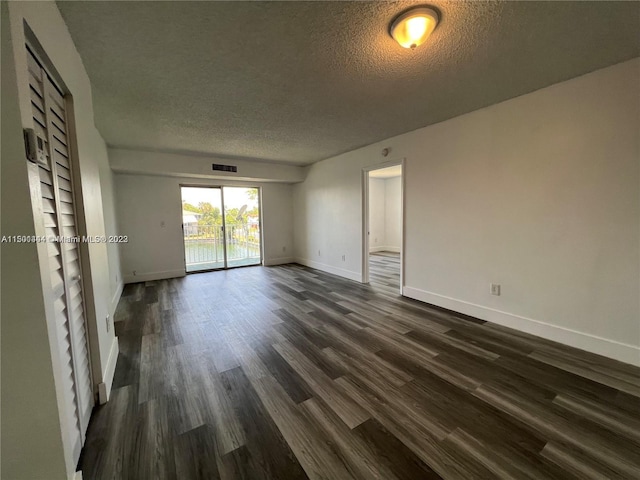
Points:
[(225, 168)]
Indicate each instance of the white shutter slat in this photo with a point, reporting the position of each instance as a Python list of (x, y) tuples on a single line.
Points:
[(35, 82), (45, 176), (58, 99), (57, 111), (73, 269), (69, 232), (64, 184), (49, 220), (63, 172), (68, 220), (51, 230), (55, 265), (48, 206), (59, 146), (37, 100), (65, 197), (60, 159), (59, 129), (52, 249), (33, 66), (38, 116), (66, 208), (76, 305), (60, 138), (47, 191), (57, 282), (74, 290), (72, 255)]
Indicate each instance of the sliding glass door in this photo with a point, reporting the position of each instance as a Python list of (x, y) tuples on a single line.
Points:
[(221, 227)]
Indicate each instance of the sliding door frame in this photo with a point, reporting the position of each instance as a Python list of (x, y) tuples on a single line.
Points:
[(224, 226)]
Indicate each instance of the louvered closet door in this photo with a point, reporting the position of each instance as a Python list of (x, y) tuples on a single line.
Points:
[(50, 122)]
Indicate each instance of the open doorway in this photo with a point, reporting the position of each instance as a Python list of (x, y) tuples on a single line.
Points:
[(382, 249), (221, 227)]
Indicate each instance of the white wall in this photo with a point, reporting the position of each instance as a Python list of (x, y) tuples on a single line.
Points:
[(377, 200), (144, 202), (27, 362), (385, 214), (538, 193), (393, 213)]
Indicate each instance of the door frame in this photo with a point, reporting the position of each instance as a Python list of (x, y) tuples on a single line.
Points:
[(365, 216), (224, 227)]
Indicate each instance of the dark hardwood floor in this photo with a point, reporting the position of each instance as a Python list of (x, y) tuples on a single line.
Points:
[(287, 372)]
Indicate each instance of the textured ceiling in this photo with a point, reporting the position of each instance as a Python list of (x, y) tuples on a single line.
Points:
[(302, 81)]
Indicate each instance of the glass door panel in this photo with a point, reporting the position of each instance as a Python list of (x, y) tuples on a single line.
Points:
[(242, 224), (203, 229)]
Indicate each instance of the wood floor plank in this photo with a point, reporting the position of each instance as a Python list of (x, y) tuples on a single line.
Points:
[(392, 453), (285, 375), (311, 349), (348, 411), (357, 456), (196, 454), (268, 450)]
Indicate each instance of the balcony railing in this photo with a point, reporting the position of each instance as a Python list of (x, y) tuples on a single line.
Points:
[(204, 245)]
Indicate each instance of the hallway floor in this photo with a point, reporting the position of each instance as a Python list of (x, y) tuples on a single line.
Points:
[(384, 271)]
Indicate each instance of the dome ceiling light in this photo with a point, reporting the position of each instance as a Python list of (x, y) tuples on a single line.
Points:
[(413, 27)]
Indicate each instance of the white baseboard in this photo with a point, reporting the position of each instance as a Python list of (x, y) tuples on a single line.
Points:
[(116, 299), (341, 272), (149, 276), (278, 261), (591, 343), (104, 388), (384, 249)]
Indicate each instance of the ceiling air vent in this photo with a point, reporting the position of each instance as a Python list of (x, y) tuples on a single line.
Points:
[(225, 168)]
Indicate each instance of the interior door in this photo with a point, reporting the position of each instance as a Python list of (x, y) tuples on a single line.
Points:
[(56, 194)]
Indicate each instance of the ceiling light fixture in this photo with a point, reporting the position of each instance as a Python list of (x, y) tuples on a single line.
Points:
[(413, 27)]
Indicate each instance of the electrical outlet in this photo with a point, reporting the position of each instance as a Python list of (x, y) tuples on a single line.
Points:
[(108, 323), (494, 289)]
